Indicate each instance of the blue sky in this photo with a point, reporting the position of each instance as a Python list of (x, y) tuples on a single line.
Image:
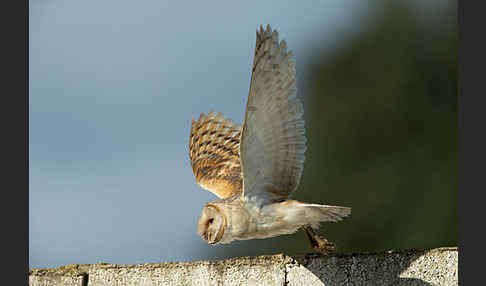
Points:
[(113, 88)]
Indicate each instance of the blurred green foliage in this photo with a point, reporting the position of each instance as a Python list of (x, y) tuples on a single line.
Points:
[(382, 131), (381, 123)]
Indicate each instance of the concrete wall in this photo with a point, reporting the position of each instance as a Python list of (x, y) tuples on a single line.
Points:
[(407, 267)]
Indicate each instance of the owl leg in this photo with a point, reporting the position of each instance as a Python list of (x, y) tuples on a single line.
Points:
[(318, 242)]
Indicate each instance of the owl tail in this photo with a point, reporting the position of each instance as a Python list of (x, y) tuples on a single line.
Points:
[(313, 214), (321, 213)]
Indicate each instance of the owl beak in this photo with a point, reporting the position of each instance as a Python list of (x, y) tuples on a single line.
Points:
[(205, 236), (208, 239)]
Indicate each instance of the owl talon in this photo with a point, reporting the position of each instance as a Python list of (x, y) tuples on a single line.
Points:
[(318, 242), (323, 245)]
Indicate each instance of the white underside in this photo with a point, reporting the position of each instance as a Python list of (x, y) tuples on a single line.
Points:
[(282, 218)]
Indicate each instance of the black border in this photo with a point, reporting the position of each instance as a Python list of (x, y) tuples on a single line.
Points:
[(15, 147), (471, 141)]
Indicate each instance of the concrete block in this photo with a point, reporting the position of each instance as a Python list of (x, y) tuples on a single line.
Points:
[(263, 270), (70, 275), (406, 267)]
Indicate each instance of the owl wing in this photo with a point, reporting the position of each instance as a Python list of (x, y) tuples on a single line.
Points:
[(273, 137), (214, 146)]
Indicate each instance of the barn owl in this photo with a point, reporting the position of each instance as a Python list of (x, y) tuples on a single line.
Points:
[(256, 167)]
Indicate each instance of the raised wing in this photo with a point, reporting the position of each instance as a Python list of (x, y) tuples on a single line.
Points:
[(273, 138), (214, 147)]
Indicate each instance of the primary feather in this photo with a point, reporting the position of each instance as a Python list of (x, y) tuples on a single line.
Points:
[(273, 138)]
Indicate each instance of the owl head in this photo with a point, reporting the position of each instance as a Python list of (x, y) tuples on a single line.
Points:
[(211, 224)]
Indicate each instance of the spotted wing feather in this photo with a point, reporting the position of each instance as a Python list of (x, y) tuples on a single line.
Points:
[(214, 147)]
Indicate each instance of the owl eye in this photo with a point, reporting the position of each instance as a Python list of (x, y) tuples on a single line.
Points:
[(211, 220)]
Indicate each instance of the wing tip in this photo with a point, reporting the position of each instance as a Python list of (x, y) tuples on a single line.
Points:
[(268, 28), (267, 31)]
